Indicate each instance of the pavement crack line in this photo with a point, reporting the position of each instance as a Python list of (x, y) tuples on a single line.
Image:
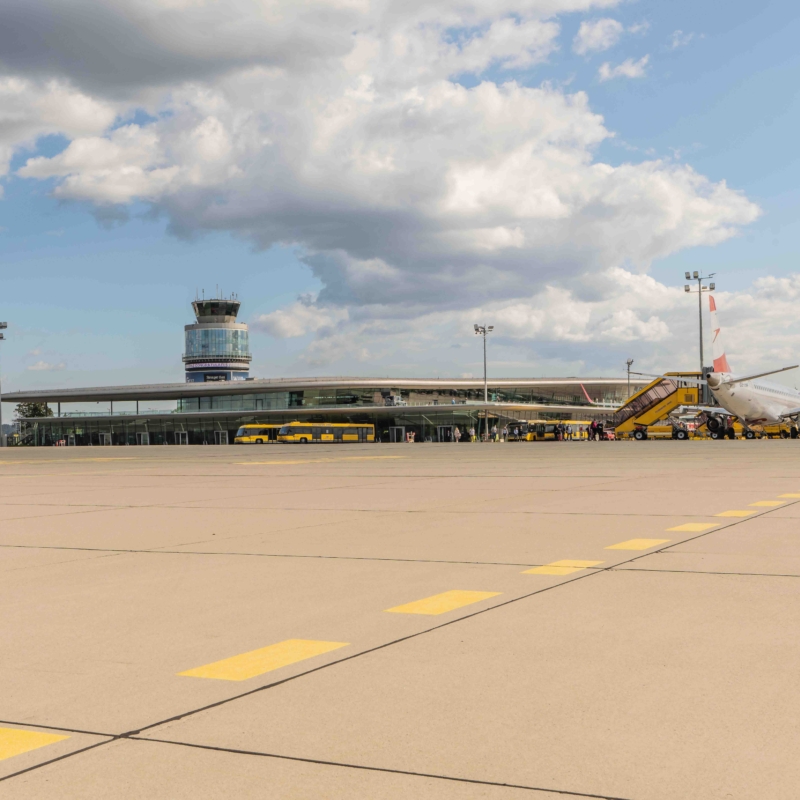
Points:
[(161, 551), (712, 572), (53, 760), (389, 770), (384, 511), (57, 728)]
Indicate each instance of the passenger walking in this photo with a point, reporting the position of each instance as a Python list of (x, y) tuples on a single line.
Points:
[(494, 433), (505, 433), (593, 430), (472, 437), (457, 435), (569, 432)]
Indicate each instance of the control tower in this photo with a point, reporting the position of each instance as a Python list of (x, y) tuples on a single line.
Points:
[(217, 346)]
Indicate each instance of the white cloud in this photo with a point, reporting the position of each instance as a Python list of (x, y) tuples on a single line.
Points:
[(594, 327), (340, 127), (639, 27), (298, 319), (45, 366), (33, 108), (597, 35), (627, 69), (680, 39)]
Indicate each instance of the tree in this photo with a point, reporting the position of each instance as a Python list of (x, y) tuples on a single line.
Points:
[(29, 410)]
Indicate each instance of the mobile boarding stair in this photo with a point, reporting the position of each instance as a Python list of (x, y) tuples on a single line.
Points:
[(654, 404)]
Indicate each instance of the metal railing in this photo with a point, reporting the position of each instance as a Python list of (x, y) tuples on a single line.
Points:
[(644, 401)]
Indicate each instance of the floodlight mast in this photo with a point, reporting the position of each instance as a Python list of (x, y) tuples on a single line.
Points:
[(696, 276), (3, 326), (483, 330), (629, 363)]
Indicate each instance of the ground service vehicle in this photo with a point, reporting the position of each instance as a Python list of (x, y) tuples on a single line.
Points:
[(645, 412), (305, 432), (257, 433)]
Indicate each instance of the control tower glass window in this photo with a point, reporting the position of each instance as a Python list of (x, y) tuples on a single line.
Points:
[(217, 342)]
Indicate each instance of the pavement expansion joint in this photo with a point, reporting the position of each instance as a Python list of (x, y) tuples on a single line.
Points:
[(388, 770)]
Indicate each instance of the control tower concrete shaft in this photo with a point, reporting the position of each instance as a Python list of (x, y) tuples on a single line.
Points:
[(217, 346)]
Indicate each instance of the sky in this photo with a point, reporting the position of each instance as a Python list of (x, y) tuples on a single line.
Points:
[(373, 177)]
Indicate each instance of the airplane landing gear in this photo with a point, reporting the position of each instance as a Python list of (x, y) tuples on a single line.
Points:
[(793, 432), (730, 433), (748, 434)]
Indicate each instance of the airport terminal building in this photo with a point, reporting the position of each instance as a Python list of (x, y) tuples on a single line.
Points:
[(219, 397)]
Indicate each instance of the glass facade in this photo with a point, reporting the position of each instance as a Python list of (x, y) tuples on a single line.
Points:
[(432, 426), (204, 341), (335, 398)]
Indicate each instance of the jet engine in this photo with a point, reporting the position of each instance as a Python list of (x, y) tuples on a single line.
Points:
[(715, 424)]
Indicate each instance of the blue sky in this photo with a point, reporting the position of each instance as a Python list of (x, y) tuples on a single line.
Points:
[(108, 299)]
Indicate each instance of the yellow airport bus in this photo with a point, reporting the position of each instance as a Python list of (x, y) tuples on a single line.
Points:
[(257, 433), (305, 432)]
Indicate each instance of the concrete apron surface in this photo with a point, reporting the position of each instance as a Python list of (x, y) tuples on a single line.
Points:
[(576, 619)]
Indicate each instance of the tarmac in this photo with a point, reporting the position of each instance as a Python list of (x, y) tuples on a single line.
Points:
[(502, 621)]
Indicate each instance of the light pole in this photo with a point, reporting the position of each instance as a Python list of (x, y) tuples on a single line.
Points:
[(3, 326), (696, 276), (484, 330), (629, 362)]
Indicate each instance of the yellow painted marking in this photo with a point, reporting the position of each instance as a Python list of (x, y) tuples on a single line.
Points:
[(789, 495), (565, 567), (767, 503), (735, 513), (257, 662), (322, 460), (442, 603), (694, 527), (13, 741), (638, 544)]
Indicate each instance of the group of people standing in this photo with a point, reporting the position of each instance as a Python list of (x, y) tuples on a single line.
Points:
[(493, 434), (564, 432), (595, 431)]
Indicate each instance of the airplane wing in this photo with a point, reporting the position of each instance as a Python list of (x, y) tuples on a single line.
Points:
[(693, 381), (741, 378)]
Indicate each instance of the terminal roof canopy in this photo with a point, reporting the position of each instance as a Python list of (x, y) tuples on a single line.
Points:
[(177, 391)]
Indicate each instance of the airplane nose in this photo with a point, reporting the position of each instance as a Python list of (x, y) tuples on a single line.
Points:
[(714, 380)]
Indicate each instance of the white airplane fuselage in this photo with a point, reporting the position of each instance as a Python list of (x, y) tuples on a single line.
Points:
[(754, 401)]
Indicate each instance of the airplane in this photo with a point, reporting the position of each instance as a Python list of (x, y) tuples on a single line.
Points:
[(746, 397)]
